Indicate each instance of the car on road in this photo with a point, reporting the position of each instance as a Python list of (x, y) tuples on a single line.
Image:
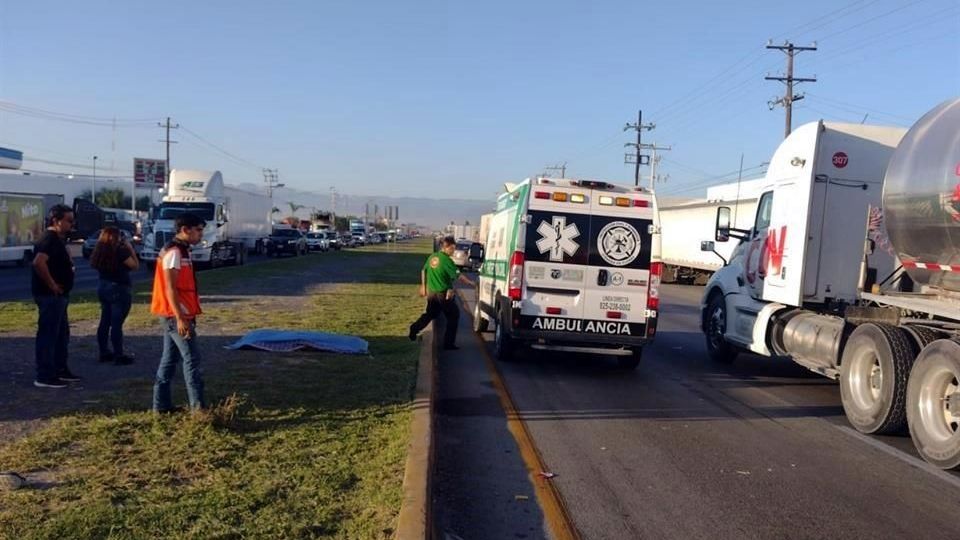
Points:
[(286, 240), (461, 254), (91, 242), (333, 240), (317, 241)]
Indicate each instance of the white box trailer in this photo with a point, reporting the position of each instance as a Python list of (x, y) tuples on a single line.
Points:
[(22, 217), (682, 229), (816, 277)]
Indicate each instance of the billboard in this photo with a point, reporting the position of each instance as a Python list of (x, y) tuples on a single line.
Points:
[(149, 172), (10, 159), (21, 220)]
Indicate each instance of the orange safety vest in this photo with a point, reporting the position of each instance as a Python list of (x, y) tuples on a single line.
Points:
[(186, 286)]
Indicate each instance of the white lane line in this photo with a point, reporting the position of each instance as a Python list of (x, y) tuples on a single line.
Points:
[(906, 458)]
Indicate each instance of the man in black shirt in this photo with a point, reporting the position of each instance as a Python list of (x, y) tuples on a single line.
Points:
[(52, 280)]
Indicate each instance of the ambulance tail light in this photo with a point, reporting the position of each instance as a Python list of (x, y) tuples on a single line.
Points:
[(653, 292), (554, 311), (541, 194), (623, 201), (641, 203), (515, 277), (614, 315)]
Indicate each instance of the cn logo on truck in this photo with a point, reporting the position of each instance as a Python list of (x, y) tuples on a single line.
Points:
[(840, 160), (771, 254)]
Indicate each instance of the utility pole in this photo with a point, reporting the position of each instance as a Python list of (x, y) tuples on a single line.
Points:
[(789, 97), (168, 126), (562, 168), (272, 178), (637, 157), (333, 204), (93, 182), (654, 161)]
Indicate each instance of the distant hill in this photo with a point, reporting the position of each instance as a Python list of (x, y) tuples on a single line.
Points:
[(433, 213)]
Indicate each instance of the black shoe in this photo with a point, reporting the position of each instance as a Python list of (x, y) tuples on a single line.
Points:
[(65, 375), (451, 348), (106, 357), (412, 334), (123, 360), (49, 383)]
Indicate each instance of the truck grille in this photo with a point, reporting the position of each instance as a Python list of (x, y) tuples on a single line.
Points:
[(161, 238)]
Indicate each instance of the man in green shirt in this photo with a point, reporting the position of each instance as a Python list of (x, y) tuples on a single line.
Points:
[(436, 284)]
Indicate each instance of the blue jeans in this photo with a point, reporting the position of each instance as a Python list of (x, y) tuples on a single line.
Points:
[(115, 300), (176, 346), (53, 336)]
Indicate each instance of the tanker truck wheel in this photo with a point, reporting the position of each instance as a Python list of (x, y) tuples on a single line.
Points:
[(873, 378), (933, 403), (715, 326)]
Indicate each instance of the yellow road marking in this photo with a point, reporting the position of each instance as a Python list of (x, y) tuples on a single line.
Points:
[(554, 509)]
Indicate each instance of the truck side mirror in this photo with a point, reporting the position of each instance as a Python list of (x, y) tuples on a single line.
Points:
[(708, 245), (722, 232)]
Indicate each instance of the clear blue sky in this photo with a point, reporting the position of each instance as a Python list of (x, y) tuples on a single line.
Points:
[(450, 99)]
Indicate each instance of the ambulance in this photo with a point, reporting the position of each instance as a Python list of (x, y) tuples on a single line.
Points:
[(571, 265)]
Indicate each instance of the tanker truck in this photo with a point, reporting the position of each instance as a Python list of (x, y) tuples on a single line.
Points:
[(852, 269)]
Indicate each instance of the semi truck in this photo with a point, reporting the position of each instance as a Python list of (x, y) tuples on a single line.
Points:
[(852, 269), (358, 230), (237, 220)]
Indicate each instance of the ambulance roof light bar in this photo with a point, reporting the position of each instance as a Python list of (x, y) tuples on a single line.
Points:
[(592, 184)]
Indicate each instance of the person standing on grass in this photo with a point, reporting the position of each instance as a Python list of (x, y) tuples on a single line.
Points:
[(50, 284), (177, 303), (436, 284), (113, 258)]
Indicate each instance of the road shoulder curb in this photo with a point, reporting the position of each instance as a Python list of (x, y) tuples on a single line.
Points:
[(416, 518)]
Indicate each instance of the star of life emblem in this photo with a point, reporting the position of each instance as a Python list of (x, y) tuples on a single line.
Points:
[(558, 238)]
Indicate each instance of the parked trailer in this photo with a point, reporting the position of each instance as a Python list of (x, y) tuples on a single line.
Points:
[(852, 268), (682, 226), (22, 224)]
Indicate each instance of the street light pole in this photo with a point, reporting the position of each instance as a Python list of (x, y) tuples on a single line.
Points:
[(93, 182)]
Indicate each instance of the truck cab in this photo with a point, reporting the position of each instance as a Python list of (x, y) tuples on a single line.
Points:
[(805, 247)]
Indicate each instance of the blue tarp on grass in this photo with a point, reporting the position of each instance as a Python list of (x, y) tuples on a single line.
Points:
[(290, 340)]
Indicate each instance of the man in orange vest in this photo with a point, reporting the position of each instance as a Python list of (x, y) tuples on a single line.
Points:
[(177, 303)]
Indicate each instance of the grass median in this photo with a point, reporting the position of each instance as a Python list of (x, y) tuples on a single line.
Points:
[(300, 445)]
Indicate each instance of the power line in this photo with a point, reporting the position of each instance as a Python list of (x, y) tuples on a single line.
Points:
[(853, 108), (870, 20), (239, 159), (44, 114)]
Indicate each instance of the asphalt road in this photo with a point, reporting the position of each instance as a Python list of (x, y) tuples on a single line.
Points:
[(684, 448)]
